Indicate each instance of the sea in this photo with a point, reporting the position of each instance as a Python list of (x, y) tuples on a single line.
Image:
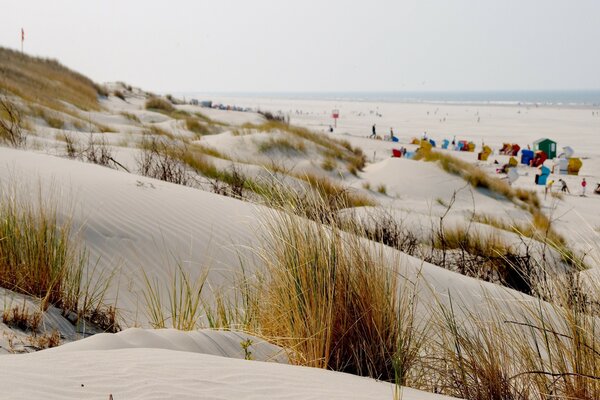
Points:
[(565, 98)]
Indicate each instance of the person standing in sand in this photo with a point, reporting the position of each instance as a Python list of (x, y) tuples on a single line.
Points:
[(374, 132), (564, 188), (583, 185)]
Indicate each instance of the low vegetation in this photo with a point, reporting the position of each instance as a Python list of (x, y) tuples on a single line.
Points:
[(161, 159), (184, 308), (335, 149), (131, 117), (11, 123), (283, 145), (46, 82), (194, 125), (157, 103), (40, 258)]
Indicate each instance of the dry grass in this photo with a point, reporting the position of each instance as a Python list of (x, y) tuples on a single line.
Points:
[(159, 104), (40, 258), (337, 149), (184, 309), (329, 164), (52, 118), (45, 341), (131, 117), (211, 151), (22, 318), (526, 351), (162, 159), (335, 301), (283, 145), (336, 195), (46, 82), (476, 243), (158, 131), (194, 125)]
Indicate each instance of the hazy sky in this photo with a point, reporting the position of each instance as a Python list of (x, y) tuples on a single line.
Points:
[(316, 45)]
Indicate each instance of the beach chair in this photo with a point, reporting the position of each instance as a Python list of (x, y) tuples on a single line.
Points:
[(526, 156), (574, 166)]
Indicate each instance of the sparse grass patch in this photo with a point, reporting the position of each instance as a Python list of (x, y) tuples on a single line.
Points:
[(131, 117), (22, 318), (337, 196), (164, 160), (40, 258), (340, 150), (460, 237), (194, 125), (281, 144), (46, 82), (328, 164), (50, 117), (159, 104), (45, 341), (382, 189), (158, 131), (211, 151), (184, 302)]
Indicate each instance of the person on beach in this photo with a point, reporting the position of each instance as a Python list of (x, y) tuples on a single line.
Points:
[(392, 134), (454, 141), (563, 186), (374, 132), (583, 185)]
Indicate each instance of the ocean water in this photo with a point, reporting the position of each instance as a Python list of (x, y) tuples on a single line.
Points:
[(549, 97)]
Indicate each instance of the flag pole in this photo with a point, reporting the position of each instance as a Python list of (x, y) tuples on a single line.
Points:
[(22, 39)]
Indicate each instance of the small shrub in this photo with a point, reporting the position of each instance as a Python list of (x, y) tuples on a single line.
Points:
[(382, 189), (71, 146), (99, 152), (160, 159)]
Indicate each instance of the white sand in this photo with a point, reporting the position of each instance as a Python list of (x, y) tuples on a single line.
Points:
[(135, 225)]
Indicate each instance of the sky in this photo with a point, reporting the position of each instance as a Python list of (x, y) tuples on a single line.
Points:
[(316, 45)]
